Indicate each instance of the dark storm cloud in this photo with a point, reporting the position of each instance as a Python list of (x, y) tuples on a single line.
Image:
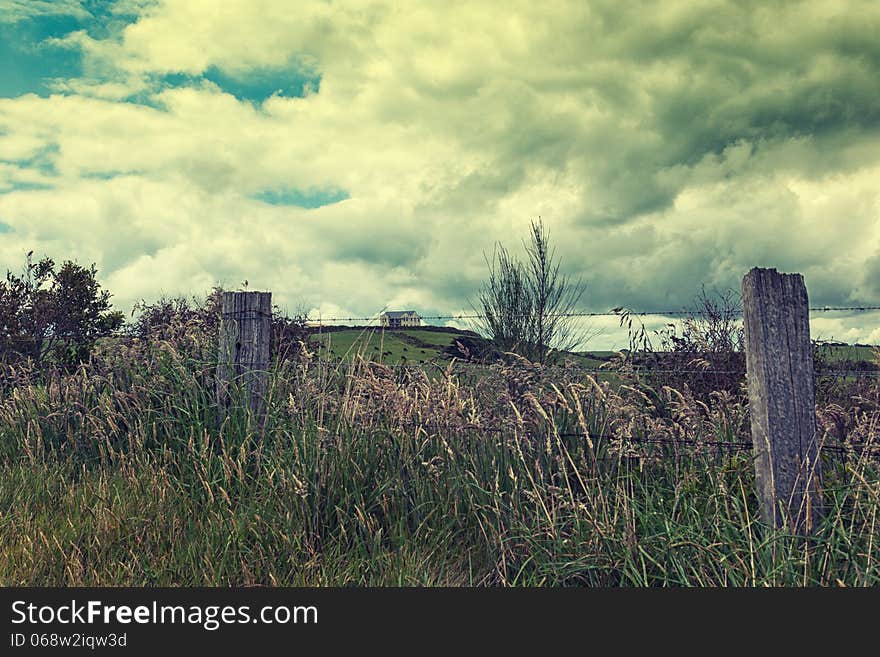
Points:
[(668, 145)]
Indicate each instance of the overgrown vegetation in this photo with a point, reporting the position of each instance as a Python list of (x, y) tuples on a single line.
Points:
[(53, 313), (525, 307), (117, 472), (194, 324), (704, 351)]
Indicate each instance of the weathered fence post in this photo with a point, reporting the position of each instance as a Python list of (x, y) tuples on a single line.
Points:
[(243, 357), (779, 364)]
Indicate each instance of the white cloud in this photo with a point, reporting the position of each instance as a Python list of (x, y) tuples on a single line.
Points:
[(666, 147), (12, 11)]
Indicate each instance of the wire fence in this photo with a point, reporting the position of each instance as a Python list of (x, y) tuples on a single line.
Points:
[(452, 366), (863, 448), (463, 367), (657, 446), (469, 368), (622, 313), (614, 312), (835, 449)]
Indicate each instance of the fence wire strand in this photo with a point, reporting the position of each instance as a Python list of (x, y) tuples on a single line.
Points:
[(614, 312), (858, 448)]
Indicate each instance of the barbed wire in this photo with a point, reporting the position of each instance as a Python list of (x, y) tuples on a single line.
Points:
[(464, 367), (645, 371), (735, 445), (245, 314), (829, 309), (614, 312)]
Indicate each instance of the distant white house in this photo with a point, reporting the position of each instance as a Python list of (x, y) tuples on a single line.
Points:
[(400, 318)]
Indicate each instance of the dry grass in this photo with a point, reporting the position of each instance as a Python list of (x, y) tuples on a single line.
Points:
[(117, 474)]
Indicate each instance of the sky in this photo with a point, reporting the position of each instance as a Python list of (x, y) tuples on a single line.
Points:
[(357, 155)]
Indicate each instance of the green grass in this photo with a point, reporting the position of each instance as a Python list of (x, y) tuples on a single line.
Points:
[(375, 345), (418, 346), (389, 346), (119, 475), (413, 346), (435, 338), (853, 353)]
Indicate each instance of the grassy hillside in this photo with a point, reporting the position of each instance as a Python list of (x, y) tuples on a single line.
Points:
[(388, 346), (416, 346), (859, 353)]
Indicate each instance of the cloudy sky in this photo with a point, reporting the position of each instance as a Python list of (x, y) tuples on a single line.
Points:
[(358, 154)]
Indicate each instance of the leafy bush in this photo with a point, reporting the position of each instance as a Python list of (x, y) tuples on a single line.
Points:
[(53, 314)]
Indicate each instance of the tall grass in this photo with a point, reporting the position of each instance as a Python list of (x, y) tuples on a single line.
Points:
[(120, 474)]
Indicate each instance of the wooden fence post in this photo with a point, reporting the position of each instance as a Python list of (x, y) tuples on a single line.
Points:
[(779, 364), (243, 356)]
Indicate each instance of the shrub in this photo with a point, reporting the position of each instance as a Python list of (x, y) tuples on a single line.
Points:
[(526, 308), (195, 323), (53, 314), (704, 353)]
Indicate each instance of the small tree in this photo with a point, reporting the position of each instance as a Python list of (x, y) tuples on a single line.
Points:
[(505, 303), (527, 308), (53, 313)]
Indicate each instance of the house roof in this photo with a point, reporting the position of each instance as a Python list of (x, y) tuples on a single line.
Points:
[(397, 314)]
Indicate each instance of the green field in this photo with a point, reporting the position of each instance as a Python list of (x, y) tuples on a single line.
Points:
[(413, 346), (391, 346), (423, 346), (854, 353), (438, 339)]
